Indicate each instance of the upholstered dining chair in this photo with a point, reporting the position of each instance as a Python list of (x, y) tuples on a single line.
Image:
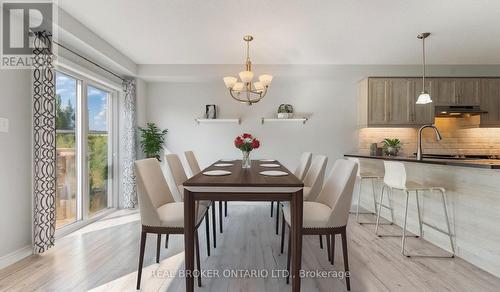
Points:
[(195, 169), (179, 176), (313, 182), (328, 215), (300, 173), (160, 214)]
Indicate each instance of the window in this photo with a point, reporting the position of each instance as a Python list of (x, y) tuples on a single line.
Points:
[(84, 148)]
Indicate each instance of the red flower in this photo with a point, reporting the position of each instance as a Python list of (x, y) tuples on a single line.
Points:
[(255, 144), (247, 136), (238, 141)]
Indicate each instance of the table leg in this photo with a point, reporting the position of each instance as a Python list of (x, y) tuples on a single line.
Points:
[(189, 209), (296, 205)]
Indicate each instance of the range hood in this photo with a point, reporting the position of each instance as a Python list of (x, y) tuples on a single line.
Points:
[(458, 111)]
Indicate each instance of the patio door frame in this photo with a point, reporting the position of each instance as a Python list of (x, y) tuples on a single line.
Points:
[(82, 131)]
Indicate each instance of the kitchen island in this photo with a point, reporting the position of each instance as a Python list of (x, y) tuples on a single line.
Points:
[(473, 200)]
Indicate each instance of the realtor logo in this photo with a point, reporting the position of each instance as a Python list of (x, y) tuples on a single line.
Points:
[(20, 22)]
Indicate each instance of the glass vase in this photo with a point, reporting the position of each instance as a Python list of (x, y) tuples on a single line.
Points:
[(245, 161)]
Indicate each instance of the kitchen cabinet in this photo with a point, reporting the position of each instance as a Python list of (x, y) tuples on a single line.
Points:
[(421, 114), (390, 102), (490, 102), (457, 91)]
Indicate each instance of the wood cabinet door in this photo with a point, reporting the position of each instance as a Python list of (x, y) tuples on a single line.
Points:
[(398, 109), (490, 102), (421, 114), (445, 91), (468, 91), (377, 101)]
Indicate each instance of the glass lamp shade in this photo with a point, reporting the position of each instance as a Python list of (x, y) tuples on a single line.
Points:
[(259, 86), (424, 98), (238, 86), (266, 79), (230, 81), (246, 76)]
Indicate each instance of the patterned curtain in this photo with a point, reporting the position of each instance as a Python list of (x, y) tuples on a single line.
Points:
[(44, 144), (128, 144)]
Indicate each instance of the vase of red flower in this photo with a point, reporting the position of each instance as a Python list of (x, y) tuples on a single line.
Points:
[(246, 143)]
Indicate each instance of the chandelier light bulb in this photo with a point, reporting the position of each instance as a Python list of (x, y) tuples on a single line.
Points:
[(238, 86), (259, 86), (246, 76)]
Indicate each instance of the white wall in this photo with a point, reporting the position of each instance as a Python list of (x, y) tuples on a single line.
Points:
[(326, 93), (15, 163)]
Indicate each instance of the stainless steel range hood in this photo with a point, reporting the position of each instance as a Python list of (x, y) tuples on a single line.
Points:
[(458, 111)]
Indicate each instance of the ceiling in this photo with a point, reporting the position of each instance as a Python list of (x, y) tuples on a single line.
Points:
[(294, 31)]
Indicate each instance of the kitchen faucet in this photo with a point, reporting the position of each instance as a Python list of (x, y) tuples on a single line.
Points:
[(419, 139)]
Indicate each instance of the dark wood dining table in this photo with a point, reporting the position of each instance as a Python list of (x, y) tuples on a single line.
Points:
[(244, 185)]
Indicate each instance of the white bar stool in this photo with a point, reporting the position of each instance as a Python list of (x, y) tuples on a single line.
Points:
[(395, 178), (363, 175)]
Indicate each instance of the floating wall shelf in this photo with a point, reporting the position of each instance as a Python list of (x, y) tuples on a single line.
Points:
[(218, 121), (292, 120)]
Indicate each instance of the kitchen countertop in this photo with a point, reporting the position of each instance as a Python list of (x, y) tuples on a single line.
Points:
[(476, 163)]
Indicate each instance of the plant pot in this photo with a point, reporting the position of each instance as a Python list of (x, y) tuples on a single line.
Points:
[(391, 151), (285, 115)]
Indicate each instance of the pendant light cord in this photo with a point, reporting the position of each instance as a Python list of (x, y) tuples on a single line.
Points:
[(423, 61)]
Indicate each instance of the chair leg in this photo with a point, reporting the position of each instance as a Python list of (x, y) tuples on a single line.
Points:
[(403, 239), (421, 231), (343, 234), (447, 222), (214, 224), (359, 200), (333, 249), (225, 208), (321, 241), (328, 247), (220, 216), (379, 208), (282, 234), (141, 259), (166, 240), (374, 196), (272, 208), (158, 243), (277, 217), (197, 247), (207, 231), (289, 255)]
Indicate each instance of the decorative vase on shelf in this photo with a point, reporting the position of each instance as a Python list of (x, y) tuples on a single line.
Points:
[(285, 111), (246, 143)]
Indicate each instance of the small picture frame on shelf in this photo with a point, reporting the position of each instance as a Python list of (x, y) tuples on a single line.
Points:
[(211, 111)]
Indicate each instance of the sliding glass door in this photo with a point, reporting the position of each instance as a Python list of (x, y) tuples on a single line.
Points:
[(84, 149)]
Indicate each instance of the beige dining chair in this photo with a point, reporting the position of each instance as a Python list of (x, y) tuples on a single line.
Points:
[(195, 169), (313, 182), (328, 215), (179, 176), (160, 214)]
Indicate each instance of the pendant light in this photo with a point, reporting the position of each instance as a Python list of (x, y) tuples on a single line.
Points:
[(424, 97)]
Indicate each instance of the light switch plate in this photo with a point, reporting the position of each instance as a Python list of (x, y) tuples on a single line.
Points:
[(4, 125)]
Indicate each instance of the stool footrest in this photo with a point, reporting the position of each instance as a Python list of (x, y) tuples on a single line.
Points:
[(435, 228)]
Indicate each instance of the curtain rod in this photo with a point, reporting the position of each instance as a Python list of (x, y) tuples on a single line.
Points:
[(90, 61)]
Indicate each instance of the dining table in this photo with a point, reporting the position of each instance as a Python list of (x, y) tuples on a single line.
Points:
[(244, 184)]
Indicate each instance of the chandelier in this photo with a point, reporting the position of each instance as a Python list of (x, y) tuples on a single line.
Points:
[(246, 90)]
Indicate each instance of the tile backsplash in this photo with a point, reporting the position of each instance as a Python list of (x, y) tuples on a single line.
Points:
[(460, 137)]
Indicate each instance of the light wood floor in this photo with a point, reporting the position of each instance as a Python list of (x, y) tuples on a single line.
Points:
[(103, 257)]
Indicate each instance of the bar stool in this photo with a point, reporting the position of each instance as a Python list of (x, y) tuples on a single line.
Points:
[(363, 175), (395, 178)]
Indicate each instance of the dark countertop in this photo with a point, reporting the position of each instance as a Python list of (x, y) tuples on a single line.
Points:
[(476, 163)]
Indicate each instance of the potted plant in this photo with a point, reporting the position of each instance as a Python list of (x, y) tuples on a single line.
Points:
[(152, 140), (285, 111), (246, 143), (391, 146)]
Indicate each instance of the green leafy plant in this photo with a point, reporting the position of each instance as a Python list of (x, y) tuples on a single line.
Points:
[(391, 146), (152, 140), (285, 108)]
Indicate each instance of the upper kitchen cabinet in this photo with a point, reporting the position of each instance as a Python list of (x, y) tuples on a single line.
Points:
[(490, 102), (390, 102), (421, 113), (457, 91)]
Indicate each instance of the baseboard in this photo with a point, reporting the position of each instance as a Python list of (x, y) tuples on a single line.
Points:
[(15, 256)]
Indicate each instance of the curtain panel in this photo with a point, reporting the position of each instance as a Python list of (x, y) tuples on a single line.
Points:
[(44, 144), (128, 144)]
